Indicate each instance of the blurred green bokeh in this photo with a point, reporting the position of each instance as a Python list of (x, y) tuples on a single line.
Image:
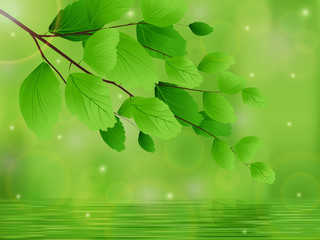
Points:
[(276, 45)]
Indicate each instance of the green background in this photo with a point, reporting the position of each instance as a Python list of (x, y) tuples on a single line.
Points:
[(276, 46)]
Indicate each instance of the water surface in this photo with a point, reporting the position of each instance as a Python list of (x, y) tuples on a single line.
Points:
[(159, 219)]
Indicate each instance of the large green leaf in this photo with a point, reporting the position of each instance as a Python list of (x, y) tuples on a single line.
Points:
[(88, 98), (146, 142), (181, 71), (179, 102), (101, 12), (230, 83), (74, 18), (115, 137), (222, 154), (262, 172), (253, 97), (134, 67), (246, 148), (40, 100), (214, 127), (100, 52), (163, 13), (216, 62), (154, 117), (200, 28), (218, 108), (126, 109), (165, 40)]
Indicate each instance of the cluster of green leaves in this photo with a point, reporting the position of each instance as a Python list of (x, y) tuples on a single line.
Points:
[(128, 62)]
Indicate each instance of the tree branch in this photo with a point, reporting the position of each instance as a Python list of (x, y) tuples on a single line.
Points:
[(34, 35), (195, 126), (44, 57), (189, 89), (90, 32), (126, 119), (164, 54)]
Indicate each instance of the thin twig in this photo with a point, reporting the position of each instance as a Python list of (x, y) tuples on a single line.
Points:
[(234, 151), (119, 86), (164, 54), (190, 89), (126, 119), (34, 35), (44, 57), (89, 32), (195, 126)]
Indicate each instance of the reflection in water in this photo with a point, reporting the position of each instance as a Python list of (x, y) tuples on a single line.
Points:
[(75, 219)]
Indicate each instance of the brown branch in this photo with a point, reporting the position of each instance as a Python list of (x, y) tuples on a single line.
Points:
[(164, 54), (44, 57), (89, 32), (34, 35), (196, 126), (189, 89)]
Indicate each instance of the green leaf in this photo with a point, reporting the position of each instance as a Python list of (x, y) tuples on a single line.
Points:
[(253, 97), (134, 67), (88, 98), (100, 52), (216, 62), (126, 109), (222, 154), (154, 117), (163, 13), (246, 148), (115, 137), (101, 12), (262, 172), (179, 102), (218, 108), (74, 18), (166, 40), (200, 28), (230, 83), (181, 71), (40, 100), (216, 128), (146, 142)]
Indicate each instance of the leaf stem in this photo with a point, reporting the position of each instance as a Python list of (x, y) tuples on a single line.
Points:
[(189, 89), (164, 54), (234, 151), (34, 35), (126, 119), (44, 57), (196, 126), (90, 32)]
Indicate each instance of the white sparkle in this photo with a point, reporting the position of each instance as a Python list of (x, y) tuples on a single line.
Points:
[(169, 196), (18, 196), (244, 231), (247, 28), (59, 137), (252, 75), (11, 127), (130, 13), (120, 96), (299, 195), (58, 61), (102, 169), (13, 34), (87, 215), (305, 12), (289, 124), (293, 75)]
